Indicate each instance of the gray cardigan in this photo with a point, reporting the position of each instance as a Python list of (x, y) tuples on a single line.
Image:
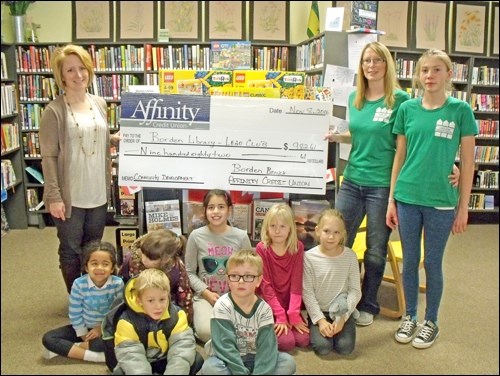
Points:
[(54, 148)]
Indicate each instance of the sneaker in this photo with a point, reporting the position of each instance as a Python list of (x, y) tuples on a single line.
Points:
[(47, 354), (406, 330), (426, 335), (364, 319)]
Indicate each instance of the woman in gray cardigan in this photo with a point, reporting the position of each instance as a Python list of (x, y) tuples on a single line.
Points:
[(76, 162)]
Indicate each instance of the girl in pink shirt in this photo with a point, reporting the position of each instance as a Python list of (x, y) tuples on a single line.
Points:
[(281, 287)]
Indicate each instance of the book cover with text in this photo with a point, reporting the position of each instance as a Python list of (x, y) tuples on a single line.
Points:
[(163, 214)]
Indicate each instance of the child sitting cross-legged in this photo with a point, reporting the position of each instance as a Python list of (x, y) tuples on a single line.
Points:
[(242, 326), (149, 309)]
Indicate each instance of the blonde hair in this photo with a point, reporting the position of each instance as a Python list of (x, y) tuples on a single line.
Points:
[(333, 214), (284, 213), (441, 55), (61, 53), (390, 80), (244, 256), (149, 279)]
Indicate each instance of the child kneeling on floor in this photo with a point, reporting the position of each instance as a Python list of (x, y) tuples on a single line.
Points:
[(149, 309), (242, 326)]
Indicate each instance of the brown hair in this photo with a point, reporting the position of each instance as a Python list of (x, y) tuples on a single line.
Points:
[(61, 53), (163, 244)]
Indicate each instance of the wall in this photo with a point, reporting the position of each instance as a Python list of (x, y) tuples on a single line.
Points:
[(55, 20)]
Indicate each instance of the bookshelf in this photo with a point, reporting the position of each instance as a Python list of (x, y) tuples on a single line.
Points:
[(14, 204), (475, 80), (117, 66)]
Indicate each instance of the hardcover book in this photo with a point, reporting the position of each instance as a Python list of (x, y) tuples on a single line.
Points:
[(193, 216), (163, 214)]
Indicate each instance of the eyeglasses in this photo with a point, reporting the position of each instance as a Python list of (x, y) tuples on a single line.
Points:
[(376, 61), (237, 277)]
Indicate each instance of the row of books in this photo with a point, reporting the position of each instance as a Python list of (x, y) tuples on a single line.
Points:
[(481, 201), (486, 179), (181, 57), (37, 88), (311, 55), (486, 154), (485, 75), (484, 102), (33, 202), (9, 99), (4, 72), (487, 128), (31, 145), (8, 173), (248, 216), (10, 136), (34, 59), (111, 87)]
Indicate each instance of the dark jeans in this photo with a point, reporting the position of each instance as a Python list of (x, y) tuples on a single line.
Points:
[(343, 342), (354, 202), (159, 366), (84, 226), (61, 340)]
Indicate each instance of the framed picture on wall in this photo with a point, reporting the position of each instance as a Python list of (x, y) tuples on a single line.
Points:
[(397, 34), (470, 26), (182, 19), (269, 21), (92, 21), (225, 20), (494, 30), (137, 21), (430, 28)]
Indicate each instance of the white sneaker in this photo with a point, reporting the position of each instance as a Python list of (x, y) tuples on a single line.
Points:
[(47, 354), (364, 319)]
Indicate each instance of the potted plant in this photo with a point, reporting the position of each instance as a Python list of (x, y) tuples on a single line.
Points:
[(18, 11)]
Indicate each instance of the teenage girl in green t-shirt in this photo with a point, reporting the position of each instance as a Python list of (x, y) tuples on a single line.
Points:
[(430, 131)]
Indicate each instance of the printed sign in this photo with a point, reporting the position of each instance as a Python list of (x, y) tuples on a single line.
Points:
[(232, 143)]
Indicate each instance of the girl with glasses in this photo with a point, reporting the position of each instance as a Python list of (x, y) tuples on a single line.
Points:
[(207, 251), (281, 287)]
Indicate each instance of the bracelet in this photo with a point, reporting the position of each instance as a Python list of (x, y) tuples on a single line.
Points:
[(391, 201)]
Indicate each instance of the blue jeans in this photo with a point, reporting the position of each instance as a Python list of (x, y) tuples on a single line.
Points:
[(214, 366), (84, 226), (436, 225), (354, 202), (343, 342)]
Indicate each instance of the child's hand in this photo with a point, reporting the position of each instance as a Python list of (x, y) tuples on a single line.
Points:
[(94, 333), (280, 328), (210, 296), (338, 325), (301, 328), (325, 328)]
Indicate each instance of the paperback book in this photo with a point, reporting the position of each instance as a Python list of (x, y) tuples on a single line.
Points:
[(307, 213), (260, 208), (163, 214)]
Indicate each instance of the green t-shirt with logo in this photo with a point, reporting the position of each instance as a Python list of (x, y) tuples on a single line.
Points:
[(432, 141), (373, 143)]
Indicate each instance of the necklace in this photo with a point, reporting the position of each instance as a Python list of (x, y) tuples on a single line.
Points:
[(90, 150)]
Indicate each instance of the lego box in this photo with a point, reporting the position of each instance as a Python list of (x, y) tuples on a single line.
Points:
[(291, 84), (180, 81), (214, 78), (251, 78)]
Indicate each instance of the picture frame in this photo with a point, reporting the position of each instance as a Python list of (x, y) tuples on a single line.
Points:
[(269, 21), (434, 16), (470, 27), (92, 21), (182, 19), (136, 21), (397, 34), (494, 30), (225, 20)]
